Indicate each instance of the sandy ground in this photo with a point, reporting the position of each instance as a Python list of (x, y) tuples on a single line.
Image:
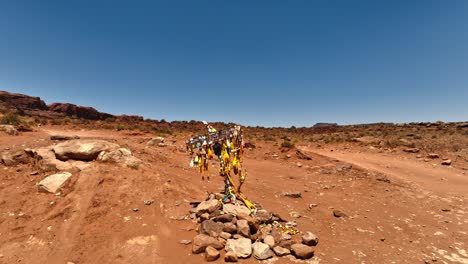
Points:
[(400, 209)]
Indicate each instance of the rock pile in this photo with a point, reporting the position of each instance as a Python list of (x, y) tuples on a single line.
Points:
[(233, 230)]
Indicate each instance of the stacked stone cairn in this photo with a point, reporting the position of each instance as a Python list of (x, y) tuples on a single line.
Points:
[(234, 231)]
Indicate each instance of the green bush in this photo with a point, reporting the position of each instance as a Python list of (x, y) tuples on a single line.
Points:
[(287, 144), (11, 118), (120, 127)]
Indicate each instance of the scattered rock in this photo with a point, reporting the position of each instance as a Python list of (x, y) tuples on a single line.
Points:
[(309, 239), (9, 129), (34, 173), (446, 162), (302, 251), (243, 228), (204, 217), (185, 242), (299, 165), (261, 251), (344, 167), (269, 240), (433, 156), (155, 141), (235, 209), (292, 194), (367, 140), (312, 205), (294, 214), (200, 242), (211, 254), (211, 228), (207, 207), (301, 155), (148, 202), (63, 138), (54, 182), (230, 228), (251, 222), (411, 150), (224, 218), (407, 143), (263, 217), (242, 247), (230, 256), (280, 251), (286, 244), (12, 159), (338, 213), (225, 235)]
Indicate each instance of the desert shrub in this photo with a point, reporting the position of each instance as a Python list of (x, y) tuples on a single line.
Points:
[(120, 127), (287, 144), (66, 120), (133, 165), (11, 118), (268, 137)]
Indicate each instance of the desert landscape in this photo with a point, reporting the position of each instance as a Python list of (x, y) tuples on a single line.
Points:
[(122, 191)]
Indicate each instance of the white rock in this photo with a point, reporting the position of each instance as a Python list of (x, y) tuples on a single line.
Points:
[(261, 251), (242, 247), (235, 209), (53, 182)]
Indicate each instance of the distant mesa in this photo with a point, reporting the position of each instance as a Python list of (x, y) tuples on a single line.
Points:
[(21, 101), (325, 124), (34, 106)]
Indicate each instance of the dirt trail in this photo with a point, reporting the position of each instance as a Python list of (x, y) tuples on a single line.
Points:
[(433, 178)]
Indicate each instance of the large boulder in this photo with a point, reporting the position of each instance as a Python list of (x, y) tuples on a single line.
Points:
[(9, 129), (235, 209), (82, 149), (261, 251), (121, 156), (242, 247), (13, 158), (302, 251), (48, 161), (201, 242), (54, 182)]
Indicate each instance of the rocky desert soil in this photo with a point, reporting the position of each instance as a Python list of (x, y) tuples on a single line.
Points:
[(396, 206)]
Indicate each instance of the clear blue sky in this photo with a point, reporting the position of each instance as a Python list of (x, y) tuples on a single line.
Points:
[(272, 63)]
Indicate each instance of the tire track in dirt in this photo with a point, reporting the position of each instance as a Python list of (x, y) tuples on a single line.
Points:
[(435, 179), (69, 231)]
